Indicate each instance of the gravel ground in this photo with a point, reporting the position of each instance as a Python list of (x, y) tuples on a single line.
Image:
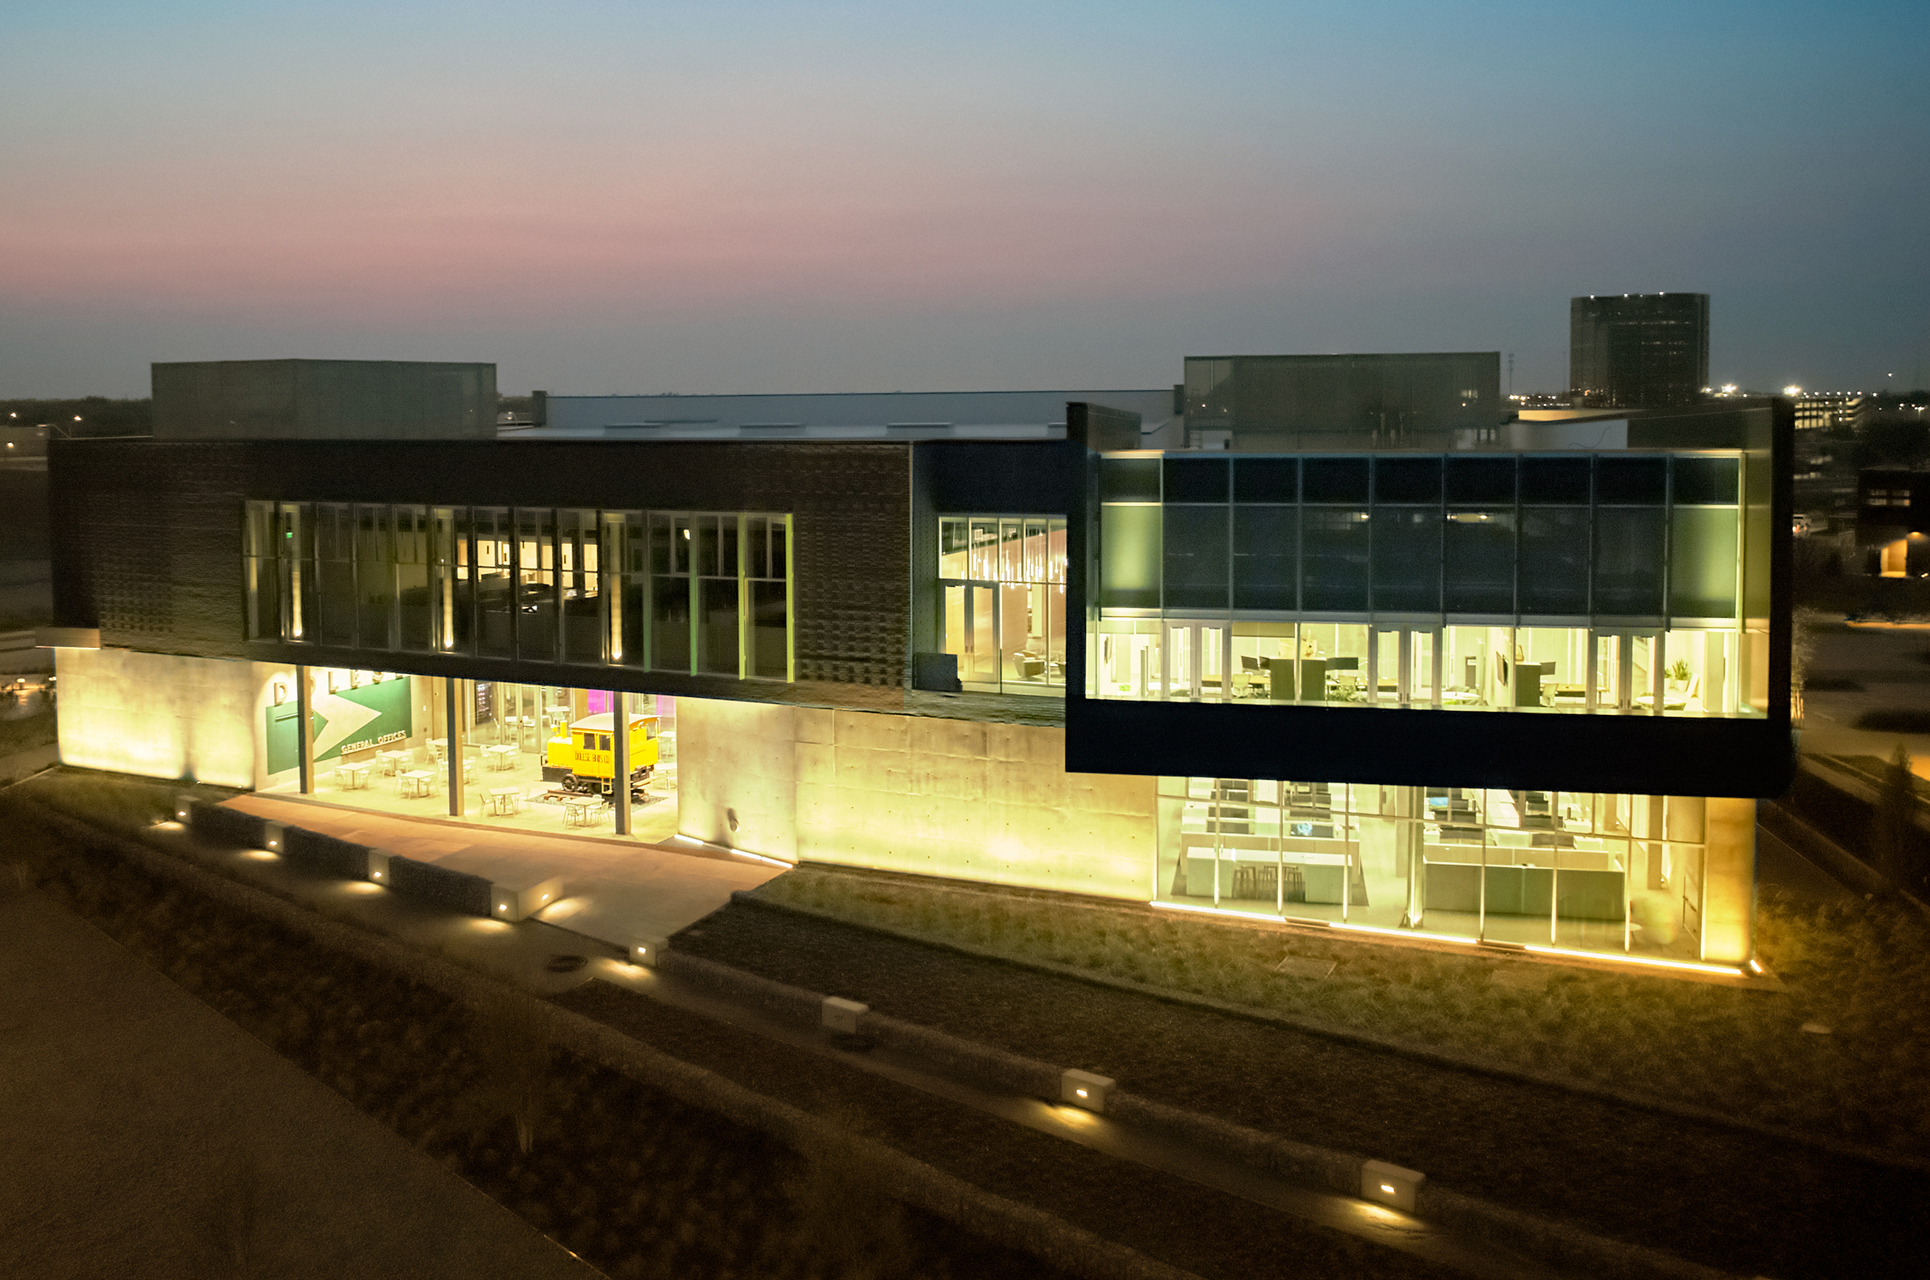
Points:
[(1727, 1199), (1188, 1226)]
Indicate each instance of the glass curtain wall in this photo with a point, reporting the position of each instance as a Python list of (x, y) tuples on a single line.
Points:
[(717, 573), (495, 589), (374, 578), (579, 560), (525, 756), (670, 588), (705, 593), (1003, 595), (1527, 583), (413, 538), (277, 547), (1617, 873)]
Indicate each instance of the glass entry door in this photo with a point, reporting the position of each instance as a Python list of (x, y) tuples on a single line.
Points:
[(1195, 662)]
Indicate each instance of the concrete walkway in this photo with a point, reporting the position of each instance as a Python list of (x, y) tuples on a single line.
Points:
[(23, 764), (615, 890), (145, 1135)]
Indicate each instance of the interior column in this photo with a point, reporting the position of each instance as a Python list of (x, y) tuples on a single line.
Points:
[(305, 731), (452, 739), (620, 763), (1410, 843)]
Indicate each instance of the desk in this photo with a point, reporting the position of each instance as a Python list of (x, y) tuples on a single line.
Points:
[(416, 783), (500, 758), (579, 811), (353, 777), (503, 801)]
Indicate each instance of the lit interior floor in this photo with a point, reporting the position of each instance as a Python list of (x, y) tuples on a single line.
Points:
[(1385, 911), (505, 791)]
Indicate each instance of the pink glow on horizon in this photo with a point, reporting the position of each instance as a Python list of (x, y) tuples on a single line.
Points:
[(690, 247)]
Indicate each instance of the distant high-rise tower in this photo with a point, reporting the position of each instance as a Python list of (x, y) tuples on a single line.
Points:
[(1638, 350)]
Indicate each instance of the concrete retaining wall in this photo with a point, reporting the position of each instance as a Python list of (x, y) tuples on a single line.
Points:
[(454, 890), (439, 886), (323, 853), (230, 826)]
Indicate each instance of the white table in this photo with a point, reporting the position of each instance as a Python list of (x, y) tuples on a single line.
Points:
[(416, 783), (354, 777), (503, 800), (500, 758)]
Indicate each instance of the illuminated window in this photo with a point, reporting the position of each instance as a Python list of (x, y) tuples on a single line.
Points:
[(697, 592), (1002, 585)]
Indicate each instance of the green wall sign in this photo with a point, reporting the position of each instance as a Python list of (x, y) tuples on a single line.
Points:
[(346, 721)]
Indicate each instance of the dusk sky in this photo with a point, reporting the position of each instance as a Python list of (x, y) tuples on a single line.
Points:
[(632, 197)]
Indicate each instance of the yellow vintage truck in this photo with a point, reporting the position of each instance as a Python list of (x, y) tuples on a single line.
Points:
[(581, 756)]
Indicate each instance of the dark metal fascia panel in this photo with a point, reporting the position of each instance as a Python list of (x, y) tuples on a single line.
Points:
[(1643, 755)]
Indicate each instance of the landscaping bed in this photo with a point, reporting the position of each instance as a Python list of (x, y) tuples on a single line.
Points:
[(633, 1181), (1726, 1198), (1862, 969), (1163, 1217)]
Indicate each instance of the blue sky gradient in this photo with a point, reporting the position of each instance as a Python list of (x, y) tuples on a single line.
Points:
[(765, 196)]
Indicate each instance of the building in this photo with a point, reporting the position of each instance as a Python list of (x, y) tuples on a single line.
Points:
[(1418, 400), (1638, 350), (18, 442), (1816, 410), (1892, 517), (1448, 680)]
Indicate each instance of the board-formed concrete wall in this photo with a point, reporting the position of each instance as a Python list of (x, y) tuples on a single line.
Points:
[(955, 798), (160, 716)]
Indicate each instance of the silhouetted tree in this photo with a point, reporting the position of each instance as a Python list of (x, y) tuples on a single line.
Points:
[(1893, 442)]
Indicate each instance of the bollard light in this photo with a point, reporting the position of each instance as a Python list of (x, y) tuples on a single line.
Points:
[(1084, 1089), (1390, 1184), (645, 951), (841, 1016)]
